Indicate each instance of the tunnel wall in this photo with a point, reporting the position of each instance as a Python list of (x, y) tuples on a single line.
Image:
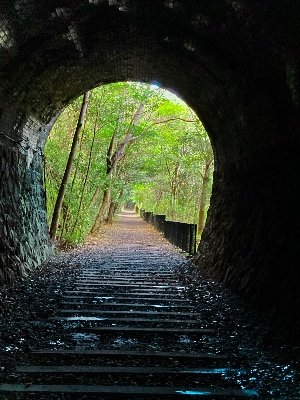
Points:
[(249, 241), (236, 63), (24, 240)]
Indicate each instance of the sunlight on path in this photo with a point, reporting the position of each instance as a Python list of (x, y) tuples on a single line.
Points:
[(130, 232)]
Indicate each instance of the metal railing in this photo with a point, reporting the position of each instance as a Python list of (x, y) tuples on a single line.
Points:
[(180, 234)]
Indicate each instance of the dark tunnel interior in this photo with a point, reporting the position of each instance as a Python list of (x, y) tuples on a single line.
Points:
[(236, 63)]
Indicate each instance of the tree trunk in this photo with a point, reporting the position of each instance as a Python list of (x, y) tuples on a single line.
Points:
[(63, 185), (93, 199), (113, 208), (86, 177), (67, 214), (102, 210), (113, 159), (174, 190), (203, 197), (106, 194), (111, 212)]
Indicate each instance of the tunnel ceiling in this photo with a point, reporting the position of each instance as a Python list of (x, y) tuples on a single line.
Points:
[(235, 62), (52, 51)]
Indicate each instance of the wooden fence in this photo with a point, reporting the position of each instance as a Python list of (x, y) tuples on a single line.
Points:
[(180, 234)]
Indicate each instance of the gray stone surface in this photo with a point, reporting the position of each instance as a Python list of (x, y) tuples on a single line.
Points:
[(24, 241)]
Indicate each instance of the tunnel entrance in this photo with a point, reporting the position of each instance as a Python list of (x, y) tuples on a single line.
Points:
[(236, 64), (120, 142)]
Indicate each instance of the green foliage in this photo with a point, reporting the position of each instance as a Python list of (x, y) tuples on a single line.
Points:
[(159, 170), (169, 181)]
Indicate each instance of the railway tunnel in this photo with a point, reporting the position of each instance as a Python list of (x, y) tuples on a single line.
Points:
[(236, 63)]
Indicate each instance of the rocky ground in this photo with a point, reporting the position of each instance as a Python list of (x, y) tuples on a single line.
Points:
[(271, 367)]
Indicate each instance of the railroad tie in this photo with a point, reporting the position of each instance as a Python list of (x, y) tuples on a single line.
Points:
[(136, 335)]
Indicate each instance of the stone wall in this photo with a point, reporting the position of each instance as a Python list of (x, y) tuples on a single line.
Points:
[(249, 243), (237, 64), (24, 240)]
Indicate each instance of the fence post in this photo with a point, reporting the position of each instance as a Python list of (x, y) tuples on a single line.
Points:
[(159, 222), (180, 234), (193, 238)]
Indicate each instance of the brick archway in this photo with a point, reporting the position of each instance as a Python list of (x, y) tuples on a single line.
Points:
[(235, 63)]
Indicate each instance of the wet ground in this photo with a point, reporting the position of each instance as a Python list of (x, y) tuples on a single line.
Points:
[(35, 316)]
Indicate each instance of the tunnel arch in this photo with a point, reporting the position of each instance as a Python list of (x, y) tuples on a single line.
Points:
[(143, 123), (236, 64)]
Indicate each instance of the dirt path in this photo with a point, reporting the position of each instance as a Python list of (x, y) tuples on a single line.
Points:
[(131, 233), (121, 304)]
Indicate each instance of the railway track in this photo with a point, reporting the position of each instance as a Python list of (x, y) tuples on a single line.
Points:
[(136, 336)]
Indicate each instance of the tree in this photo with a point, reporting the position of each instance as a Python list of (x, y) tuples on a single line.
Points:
[(179, 155), (133, 122), (138, 143), (62, 189), (113, 159)]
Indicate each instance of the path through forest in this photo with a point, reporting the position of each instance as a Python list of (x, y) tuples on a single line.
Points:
[(127, 315)]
